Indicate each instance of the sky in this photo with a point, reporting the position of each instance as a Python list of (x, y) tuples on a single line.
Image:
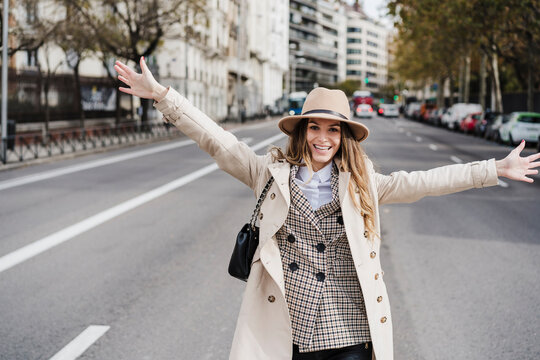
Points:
[(375, 9)]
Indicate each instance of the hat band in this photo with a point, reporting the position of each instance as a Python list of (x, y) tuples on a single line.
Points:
[(324, 111)]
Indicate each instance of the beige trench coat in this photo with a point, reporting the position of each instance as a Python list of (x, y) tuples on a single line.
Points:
[(263, 330)]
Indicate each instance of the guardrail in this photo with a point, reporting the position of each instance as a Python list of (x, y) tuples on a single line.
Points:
[(28, 146)]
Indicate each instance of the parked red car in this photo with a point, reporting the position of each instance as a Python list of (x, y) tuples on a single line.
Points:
[(469, 122)]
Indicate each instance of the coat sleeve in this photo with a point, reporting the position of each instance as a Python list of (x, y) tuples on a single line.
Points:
[(408, 187), (234, 157)]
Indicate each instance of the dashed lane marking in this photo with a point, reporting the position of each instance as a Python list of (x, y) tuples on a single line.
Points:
[(433, 147), (82, 342), (456, 159), (503, 184), (418, 139)]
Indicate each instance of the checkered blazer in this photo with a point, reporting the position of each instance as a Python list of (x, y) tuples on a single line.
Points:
[(324, 296)]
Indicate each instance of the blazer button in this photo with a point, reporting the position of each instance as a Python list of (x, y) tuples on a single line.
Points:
[(377, 276), (271, 298), (293, 266), (291, 238), (383, 319), (320, 276), (373, 254), (320, 247), (340, 220), (272, 196), (260, 216), (365, 234), (379, 298)]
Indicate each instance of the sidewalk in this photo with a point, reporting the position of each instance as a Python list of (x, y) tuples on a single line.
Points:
[(80, 148)]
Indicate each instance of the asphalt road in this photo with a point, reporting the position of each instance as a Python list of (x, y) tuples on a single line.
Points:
[(149, 263)]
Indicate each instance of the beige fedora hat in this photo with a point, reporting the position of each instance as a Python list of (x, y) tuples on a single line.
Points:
[(322, 103)]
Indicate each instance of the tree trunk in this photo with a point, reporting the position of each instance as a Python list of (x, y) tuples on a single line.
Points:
[(440, 92), (118, 109), (483, 80), (497, 82), (47, 110), (461, 79), (467, 82), (530, 72), (78, 96), (451, 86)]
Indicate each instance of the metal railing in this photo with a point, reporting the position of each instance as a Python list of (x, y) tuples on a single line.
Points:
[(29, 146)]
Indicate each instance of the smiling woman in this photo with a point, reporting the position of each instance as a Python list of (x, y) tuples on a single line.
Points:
[(316, 288)]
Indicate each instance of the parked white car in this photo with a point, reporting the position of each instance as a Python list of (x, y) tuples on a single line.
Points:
[(389, 110), (521, 125), (458, 112), (411, 108)]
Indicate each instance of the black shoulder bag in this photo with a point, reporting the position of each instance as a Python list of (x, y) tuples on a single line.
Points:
[(247, 241)]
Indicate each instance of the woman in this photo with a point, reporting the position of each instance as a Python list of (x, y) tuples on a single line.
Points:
[(316, 288)]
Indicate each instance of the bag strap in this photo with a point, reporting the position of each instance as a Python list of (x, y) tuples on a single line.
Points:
[(260, 201)]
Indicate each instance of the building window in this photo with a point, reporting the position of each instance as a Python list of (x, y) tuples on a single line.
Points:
[(370, 74), (372, 54), (371, 33), (371, 43), (353, 62), (351, 41), (371, 64), (354, 29), (354, 72), (354, 51)]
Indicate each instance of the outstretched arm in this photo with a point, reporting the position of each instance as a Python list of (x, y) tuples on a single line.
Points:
[(515, 167), (407, 187), (231, 155)]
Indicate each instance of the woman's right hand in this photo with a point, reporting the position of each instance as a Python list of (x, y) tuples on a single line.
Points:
[(142, 85)]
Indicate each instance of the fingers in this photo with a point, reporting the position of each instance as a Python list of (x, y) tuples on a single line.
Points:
[(126, 90), (143, 65), (534, 164), (533, 157), (124, 80), (520, 147), (526, 179), (126, 70), (531, 172)]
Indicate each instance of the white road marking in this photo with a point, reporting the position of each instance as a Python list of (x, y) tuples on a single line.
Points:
[(7, 184), (418, 139), (433, 147), (29, 251), (82, 342), (503, 184), (456, 159)]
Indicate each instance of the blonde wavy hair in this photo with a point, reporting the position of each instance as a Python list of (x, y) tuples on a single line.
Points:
[(352, 160)]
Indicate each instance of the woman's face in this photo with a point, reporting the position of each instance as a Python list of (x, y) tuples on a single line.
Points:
[(324, 138)]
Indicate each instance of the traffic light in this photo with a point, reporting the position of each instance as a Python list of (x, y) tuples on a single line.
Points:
[(381, 101), (396, 97), (366, 80)]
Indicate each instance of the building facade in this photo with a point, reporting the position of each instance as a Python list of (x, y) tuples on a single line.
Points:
[(367, 54), (317, 35)]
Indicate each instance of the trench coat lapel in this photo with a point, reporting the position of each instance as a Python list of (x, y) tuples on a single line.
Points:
[(344, 178)]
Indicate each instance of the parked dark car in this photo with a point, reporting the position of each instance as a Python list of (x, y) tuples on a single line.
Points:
[(481, 126), (492, 130)]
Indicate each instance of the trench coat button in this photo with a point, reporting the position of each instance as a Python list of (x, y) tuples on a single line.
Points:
[(291, 238), (260, 216), (340, 220), (293, 266), (272, 196), (379, 298), (271, 298), (373, 254), (383, 319), (365, 234), (320, 276), (377, 276), (320, 247)]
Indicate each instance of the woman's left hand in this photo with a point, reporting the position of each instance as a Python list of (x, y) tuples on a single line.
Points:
[(516, 167)]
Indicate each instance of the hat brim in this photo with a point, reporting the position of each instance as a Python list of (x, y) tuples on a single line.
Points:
[(288, 123)]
